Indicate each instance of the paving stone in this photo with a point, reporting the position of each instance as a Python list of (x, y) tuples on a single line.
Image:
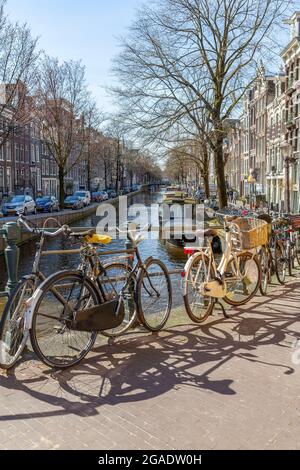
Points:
[(228, 384)]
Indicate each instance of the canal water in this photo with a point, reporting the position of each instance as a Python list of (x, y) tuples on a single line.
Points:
[(172, 256)]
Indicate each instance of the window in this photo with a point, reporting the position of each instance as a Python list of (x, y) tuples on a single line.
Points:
[(17, 152), (8, 178), (38, 177), (8, 152), (37, 153), (1, 152), (32, 154), (22, 153), (1, 178)]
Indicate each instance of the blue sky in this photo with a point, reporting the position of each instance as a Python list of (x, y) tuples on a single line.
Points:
[(79, 29)]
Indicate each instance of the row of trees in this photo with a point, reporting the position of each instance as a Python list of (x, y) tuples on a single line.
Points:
[(184, 69), (39, 89)]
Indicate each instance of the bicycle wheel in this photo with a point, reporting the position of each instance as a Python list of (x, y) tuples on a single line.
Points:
[(264, 259), (289, 257), (243, 277), (113, 281), (154, 294), (197, 305), (13, 336), (280, 262), (61, 295), (297, 248)]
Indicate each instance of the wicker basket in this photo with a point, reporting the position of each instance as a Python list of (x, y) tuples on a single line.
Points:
[(295, 221), (248, 233)]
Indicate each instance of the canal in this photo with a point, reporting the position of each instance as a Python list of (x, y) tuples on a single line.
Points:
[(173, 257)]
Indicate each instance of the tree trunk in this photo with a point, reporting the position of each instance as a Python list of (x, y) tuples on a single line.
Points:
[(89, 174), (219, 168), (206, 185), (61, 178), (206, 172)]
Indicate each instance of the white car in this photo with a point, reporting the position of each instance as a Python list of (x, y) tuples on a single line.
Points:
[(85, 196), (19, 205)]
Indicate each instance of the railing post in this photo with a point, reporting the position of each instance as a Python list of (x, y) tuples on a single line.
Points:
[(11, 233)]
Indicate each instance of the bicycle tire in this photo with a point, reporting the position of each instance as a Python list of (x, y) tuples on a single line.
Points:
[(46, 287), (264, 259), (207, 309), (9, 357), (126, 325), (144, 315), (279, 262), (297, 248), (235, 303)]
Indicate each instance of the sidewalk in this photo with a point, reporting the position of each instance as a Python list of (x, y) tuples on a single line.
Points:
[(230, 384)]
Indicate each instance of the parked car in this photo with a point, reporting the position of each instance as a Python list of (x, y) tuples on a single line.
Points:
[(111, 193), (47, 204), (200, 195), (85, 195), (103, 195), (96, 196), (135, 187), (15, 205), (73, 202)]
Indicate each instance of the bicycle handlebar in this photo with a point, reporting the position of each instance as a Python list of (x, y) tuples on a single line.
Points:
[(40, 231), (138, 238)]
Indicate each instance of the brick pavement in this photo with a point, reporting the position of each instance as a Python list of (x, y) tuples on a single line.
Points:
[(230, 384)]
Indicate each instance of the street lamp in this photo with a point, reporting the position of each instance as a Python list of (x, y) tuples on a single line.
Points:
[(286, 149)]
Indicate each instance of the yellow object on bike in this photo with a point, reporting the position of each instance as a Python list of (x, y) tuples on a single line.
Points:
[(98, 239)]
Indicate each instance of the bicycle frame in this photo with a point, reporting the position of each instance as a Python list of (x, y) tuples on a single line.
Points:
[(217, 287)]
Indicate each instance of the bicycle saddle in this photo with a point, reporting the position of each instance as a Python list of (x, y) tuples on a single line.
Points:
[(96, 239)]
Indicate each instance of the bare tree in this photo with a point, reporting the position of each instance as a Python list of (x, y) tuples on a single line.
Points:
[(18, 60), (184, 58), (93, 139), (60, 107)]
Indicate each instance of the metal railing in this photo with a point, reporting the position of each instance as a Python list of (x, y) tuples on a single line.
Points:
[(11, 232)]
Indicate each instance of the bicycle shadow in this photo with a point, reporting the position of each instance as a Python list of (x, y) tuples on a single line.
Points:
[(139, 368)]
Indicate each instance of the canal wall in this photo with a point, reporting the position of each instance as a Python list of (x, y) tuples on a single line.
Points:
[(64, 217)]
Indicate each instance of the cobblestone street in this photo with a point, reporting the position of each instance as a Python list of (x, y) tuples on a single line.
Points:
[(230, 384)]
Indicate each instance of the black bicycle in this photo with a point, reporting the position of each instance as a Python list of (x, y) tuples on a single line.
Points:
[(73, 306)]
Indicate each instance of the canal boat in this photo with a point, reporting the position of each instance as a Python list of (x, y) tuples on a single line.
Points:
[(177, 195)]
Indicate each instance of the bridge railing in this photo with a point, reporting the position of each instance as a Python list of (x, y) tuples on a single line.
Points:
[(11, 232)]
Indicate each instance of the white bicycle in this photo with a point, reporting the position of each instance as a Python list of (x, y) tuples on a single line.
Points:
[(236, 278)]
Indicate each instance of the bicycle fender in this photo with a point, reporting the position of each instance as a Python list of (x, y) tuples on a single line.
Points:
[(31, 304), (191, 260)]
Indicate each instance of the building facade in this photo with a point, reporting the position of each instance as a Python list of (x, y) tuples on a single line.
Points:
[(262, 149)]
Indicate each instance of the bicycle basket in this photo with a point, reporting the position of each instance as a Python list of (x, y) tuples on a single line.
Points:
[(295, 221), (248, 233)]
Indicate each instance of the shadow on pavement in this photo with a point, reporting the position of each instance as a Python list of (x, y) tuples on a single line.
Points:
[(140, 367)]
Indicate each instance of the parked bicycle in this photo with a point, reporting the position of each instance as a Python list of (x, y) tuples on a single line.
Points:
[(13, 334), (69, 308), (64, 314), (272, 256), (237, 277)]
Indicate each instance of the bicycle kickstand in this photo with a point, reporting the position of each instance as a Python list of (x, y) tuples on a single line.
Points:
[(217, 301)]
